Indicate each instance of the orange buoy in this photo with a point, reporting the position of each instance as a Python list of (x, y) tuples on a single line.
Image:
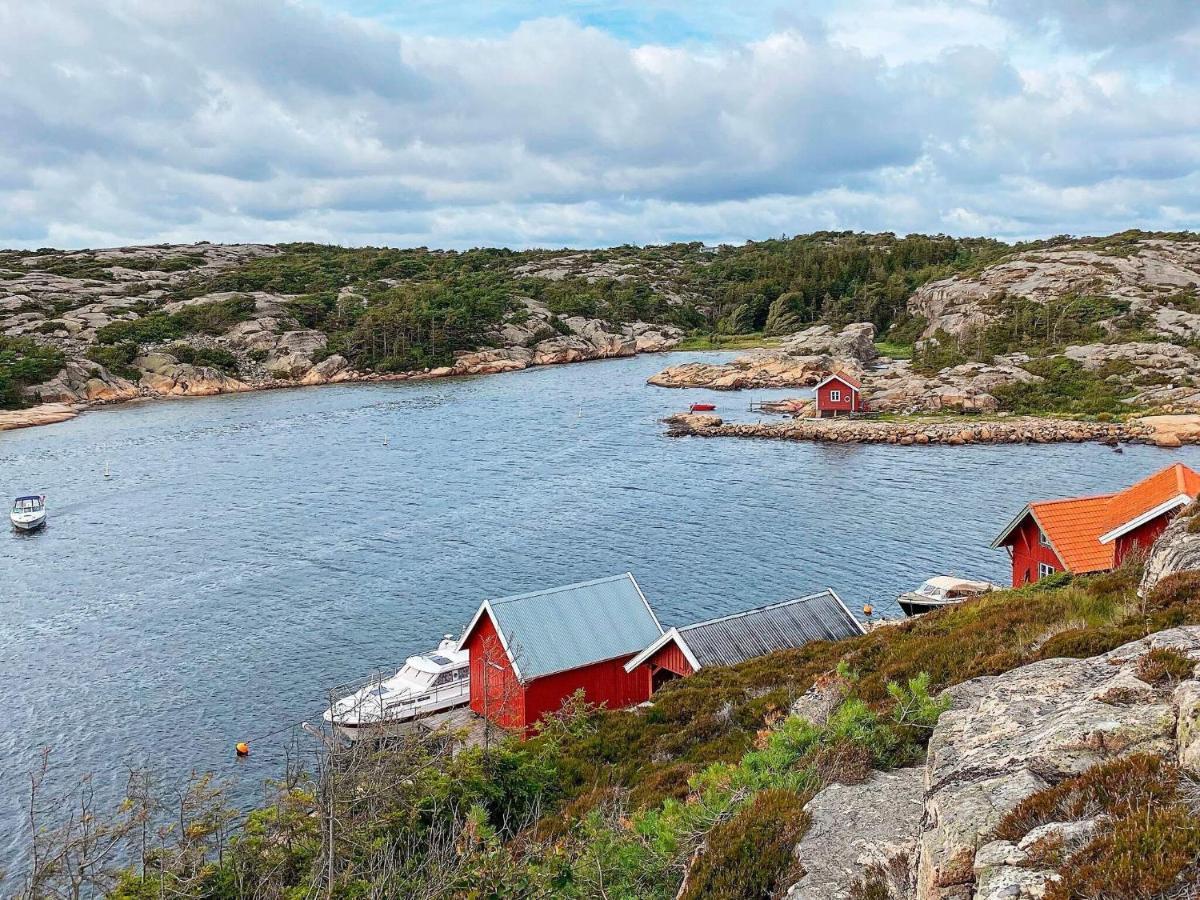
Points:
[(242, 748), (868, 609)]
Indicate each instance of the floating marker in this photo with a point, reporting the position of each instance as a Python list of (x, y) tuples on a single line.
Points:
[(242, 748)]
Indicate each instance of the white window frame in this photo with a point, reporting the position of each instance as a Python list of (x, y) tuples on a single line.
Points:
[(835, 396), (1043, 539), (1045, 570)]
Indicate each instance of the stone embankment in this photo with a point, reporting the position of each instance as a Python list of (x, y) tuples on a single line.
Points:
[(1015, 430)]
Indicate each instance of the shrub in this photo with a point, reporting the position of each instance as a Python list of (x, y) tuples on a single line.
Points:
[(202, 318), (214, 357), (1066, 387), (117, 358), (1165, 666), (751, 855), (24, 363)]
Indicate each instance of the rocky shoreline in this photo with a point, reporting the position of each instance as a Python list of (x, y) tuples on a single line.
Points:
[(167, 379), (1160, 431)]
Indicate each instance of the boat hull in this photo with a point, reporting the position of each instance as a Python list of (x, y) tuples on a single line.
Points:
[(394, 727), (915, 605), (28, 524)]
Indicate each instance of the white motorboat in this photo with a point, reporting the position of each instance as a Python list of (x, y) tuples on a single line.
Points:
[(28, 513), (427, 684), (939, 591)]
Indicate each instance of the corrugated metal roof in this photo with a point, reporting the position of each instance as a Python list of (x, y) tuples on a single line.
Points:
[(780, 626), (576, 625)]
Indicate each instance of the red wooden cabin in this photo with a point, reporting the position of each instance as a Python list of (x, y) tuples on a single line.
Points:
[(839, 395), (1095, 534), (756, 632), (531, 652)]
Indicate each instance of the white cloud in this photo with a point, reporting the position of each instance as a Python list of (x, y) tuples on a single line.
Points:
[(133, 120)]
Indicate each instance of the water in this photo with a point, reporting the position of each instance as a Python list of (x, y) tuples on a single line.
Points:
[(251, 551)]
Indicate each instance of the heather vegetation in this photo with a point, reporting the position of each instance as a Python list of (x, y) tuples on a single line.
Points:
[(703, 790)]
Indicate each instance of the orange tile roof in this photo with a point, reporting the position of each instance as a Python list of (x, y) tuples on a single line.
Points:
[(1165, 484), (1075, 525)]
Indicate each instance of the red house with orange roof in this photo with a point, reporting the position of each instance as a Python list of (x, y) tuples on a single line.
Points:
[(1095, 534), (839, 394)]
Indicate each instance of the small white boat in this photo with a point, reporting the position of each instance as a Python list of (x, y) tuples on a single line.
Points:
[(28, 513), (427, 684), (939, 591)]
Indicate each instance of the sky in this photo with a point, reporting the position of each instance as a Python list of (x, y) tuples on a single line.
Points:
[(578, 123)]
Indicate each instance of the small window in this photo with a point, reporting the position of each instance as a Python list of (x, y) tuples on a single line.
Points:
[(835, 396), (1042, 539), (1045, 570)]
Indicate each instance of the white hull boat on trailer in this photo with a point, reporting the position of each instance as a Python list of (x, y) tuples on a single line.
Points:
[(427, 684), (28, 513)]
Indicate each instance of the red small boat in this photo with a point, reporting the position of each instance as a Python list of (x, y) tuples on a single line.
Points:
[(703, 407)]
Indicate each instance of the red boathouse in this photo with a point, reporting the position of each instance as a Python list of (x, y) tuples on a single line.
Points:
[(531, 652), (1095, 534), (839, 395), (746, 635)]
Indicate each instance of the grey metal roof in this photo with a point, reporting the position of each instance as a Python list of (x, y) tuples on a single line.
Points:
[(780, 626), (576, 625)]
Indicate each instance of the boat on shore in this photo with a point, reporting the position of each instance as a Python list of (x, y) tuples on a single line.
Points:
[(428, 683), (939, 591), (28, 513)]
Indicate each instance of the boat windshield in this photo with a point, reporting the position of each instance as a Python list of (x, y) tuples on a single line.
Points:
[(411, 673), (27, 504), (929, 590)]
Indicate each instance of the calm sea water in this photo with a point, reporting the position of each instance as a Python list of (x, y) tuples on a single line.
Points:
[(251, 551)]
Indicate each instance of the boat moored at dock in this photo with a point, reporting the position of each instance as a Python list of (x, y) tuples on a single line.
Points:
[(428, 683), (939, 591)]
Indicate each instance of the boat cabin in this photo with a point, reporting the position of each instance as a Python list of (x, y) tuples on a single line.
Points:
[(839, 395), (1097, 533), (29, 504), (531, 652), (939, 591), (729, 640)]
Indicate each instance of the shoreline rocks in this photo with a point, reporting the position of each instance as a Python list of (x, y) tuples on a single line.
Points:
[(1016, 430), (42, 414)]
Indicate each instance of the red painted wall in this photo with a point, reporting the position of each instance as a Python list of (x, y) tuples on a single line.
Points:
[(671, 658), (603, 683), (498, 695), (1142, 537), (495, 692), (1027, 552), (850, 401)]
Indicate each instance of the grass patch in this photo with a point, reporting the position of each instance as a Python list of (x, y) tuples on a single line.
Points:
[(895, 350), (726, 342)]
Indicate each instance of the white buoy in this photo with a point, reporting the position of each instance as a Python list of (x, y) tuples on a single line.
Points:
[(385, 440), (107, 471)]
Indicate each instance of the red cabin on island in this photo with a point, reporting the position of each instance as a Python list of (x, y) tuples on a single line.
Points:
[(1095, 534), (839, 395), (530, 652)]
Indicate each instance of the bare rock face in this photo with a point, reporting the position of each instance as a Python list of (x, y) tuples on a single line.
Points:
[(964, 388), (1176, 550), (42, 414), (165, 375), (1012, 735), (490, 362), (853, 342), (330, 370), (293, 353), (758, 369), (82, 380), (1145, 273), (853, 827)]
